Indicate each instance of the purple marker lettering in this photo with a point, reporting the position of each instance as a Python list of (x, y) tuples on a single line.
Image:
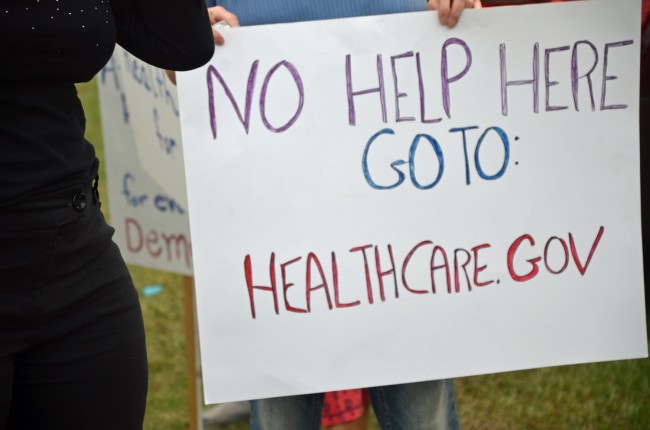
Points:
[(398, 95), (301, 93), (446, 80), (606, 78), (548, 83), (574, 73), (380, 89), (505, 83), (421, 86), (245, 120)]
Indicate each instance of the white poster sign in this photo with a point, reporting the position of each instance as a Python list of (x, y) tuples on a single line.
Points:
[(139, 104), (383, 200)]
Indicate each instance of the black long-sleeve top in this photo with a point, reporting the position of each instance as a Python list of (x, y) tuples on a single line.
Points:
[(48, 45)]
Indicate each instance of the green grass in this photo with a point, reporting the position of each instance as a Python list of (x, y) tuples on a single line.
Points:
[(600, 396), (612, 395)]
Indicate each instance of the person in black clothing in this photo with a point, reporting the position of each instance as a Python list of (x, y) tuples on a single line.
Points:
[(72, 351)]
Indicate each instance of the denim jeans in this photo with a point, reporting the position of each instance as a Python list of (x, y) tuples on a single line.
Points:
[(415, 406)]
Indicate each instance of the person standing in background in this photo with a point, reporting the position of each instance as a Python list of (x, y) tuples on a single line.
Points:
[(238, 410), (413, 406), (72, 343)]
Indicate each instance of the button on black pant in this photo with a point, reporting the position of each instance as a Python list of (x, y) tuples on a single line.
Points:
[(72, 347)]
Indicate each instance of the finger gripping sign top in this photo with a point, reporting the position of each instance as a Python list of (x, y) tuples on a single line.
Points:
[(370, 207)]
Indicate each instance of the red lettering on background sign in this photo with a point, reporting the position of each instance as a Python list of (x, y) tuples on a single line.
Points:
[(157, 244)]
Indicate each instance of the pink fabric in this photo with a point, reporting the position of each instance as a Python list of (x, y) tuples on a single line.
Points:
[(344, 406)]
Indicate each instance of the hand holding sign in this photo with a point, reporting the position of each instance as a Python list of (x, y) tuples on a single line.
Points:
[(449, 11), (219, 14)]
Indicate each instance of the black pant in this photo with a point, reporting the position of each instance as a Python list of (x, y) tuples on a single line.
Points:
[(72, 347)]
